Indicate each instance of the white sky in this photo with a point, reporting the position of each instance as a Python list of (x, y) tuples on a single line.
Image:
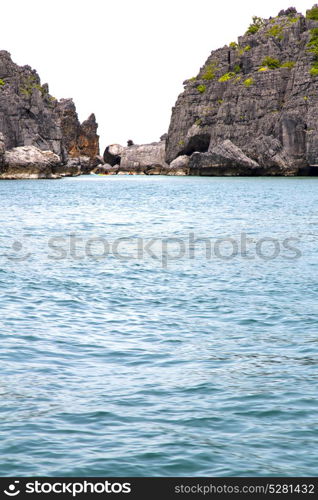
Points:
[(124, 60)]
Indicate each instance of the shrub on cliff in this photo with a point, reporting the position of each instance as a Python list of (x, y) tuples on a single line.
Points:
[(209, 71), (276, 31), (2, 83), (271, 62), (244, 49), (248, 82), (253, 28), (288, 64), (312, 13), (201, 88), (227, 77), (312, 45)]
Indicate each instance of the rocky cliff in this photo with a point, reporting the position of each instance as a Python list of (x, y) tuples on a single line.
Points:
[(253, 107), (32, 118)]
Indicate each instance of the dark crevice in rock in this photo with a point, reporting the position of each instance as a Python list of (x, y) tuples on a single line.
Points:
[(198, 143)]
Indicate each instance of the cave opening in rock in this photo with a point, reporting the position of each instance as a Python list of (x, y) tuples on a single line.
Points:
[(198, 143)]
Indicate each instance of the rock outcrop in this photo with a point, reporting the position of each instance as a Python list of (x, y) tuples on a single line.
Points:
[(253, 107), (146, 159), (78, 139), (29, 162), (31, 117), (112, 154), (179, 166)]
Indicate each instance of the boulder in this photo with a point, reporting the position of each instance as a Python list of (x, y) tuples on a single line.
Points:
[(223, 159), (29, 162), (139, 158), (113, 153), (105, 169), (229, 155), (179, 166)]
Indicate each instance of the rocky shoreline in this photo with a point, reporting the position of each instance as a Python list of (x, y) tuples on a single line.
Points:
[(252, 110)]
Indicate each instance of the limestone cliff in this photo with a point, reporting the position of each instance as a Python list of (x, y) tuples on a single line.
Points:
[(31, 117), (253, 107)]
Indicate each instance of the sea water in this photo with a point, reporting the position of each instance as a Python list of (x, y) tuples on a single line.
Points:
[(159, 326)]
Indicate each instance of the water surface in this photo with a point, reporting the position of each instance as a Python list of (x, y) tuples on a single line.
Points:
[(144, 361)]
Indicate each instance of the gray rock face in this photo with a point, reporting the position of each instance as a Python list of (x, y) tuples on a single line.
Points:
[(146, 156), (29, 162), (261, 95), (30, 116), (223, 159), (2, 150)]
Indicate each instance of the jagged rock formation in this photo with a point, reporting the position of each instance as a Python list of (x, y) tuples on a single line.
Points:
[(30, 116), (78, 139), (253, 108)]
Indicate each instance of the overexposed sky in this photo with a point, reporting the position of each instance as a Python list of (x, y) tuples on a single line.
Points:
[(124, 60)]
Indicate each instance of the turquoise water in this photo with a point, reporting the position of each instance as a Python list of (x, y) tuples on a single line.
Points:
[(184, 358)]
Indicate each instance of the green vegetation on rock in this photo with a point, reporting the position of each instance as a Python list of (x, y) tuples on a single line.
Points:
[(312, 13), (312, 46), (209, 73), (233, 45), (255, 26), (201, 88), (30, 83), (2, 83), (227, 77), (244, 49), (288, 64), (248, 82), (276, 31), (271, 62)]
